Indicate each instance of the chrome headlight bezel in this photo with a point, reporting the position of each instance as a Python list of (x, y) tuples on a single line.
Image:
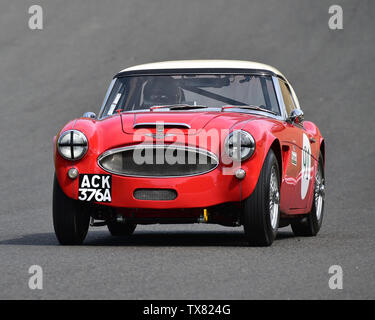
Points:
[(246, 143), (72, 145)]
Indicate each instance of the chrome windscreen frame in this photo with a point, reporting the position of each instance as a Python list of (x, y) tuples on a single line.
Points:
[(280, 100), (153, 146), (106, 97)]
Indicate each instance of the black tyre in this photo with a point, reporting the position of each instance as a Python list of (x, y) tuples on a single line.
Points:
[(261, 211), (70, 219), (310, 224), (121, 228)]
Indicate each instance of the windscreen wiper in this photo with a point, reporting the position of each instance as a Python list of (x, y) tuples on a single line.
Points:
[(251, 107), (177, 107)]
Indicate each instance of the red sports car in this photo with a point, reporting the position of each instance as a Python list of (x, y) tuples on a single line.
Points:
[(201, 141)]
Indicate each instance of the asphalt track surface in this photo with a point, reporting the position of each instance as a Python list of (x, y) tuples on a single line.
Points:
[(50, 76)]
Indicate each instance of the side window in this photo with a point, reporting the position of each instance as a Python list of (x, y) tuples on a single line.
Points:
[(288, 100)]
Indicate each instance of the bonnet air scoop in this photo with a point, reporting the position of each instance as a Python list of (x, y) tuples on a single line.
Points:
[(178, 125), (188, 122)]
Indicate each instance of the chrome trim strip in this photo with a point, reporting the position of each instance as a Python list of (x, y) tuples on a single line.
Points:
[(165, 124), (117, 150)]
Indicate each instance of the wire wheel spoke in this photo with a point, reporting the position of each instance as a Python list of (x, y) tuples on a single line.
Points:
[(319, 193), (274, 199)]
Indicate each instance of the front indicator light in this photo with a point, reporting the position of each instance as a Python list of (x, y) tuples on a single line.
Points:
[(240, 174), (73, 173)]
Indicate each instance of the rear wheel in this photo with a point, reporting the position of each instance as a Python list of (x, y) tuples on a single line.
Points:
[(70, 217), (310, 225), (261, 211), (121, 228)]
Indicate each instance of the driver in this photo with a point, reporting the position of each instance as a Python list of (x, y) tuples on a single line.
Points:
[(161, 91)]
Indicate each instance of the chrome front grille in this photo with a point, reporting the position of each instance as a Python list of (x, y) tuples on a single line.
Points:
[(158, 161)]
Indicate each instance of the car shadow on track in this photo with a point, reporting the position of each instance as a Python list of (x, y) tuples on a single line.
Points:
[(147, 238)]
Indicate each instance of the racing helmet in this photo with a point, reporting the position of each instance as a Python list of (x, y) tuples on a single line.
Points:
[(162, 90)]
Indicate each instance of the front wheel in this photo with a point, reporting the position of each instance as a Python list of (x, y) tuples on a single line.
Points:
[(70, 219), (310, 225), (261, 211)]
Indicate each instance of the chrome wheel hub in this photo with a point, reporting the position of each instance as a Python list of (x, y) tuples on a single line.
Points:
[(274, 200)]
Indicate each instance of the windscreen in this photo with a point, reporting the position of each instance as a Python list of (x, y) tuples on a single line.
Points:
[(132, 93)]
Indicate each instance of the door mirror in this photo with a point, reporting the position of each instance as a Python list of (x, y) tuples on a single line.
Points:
[(296, 116), (91, 115)]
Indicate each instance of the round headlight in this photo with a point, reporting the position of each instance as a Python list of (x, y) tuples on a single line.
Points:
[(239, 145), (72, 145)]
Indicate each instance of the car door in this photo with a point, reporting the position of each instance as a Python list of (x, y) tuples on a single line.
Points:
[(297, 157)]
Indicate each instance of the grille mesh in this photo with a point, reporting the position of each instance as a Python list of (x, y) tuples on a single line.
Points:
[(189, 162), (155, 194)]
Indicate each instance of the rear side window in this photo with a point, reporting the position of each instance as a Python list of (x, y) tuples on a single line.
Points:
[(287, 97)]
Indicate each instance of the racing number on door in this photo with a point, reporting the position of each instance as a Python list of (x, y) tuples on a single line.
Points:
[(306, 166)]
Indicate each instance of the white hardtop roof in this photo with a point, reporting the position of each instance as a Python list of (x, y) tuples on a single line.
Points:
[(203, 64)]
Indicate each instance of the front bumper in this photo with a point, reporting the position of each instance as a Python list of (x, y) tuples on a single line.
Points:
[(199, 191)]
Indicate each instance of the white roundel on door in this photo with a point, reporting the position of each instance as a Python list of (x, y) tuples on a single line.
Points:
[(306, 166)]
